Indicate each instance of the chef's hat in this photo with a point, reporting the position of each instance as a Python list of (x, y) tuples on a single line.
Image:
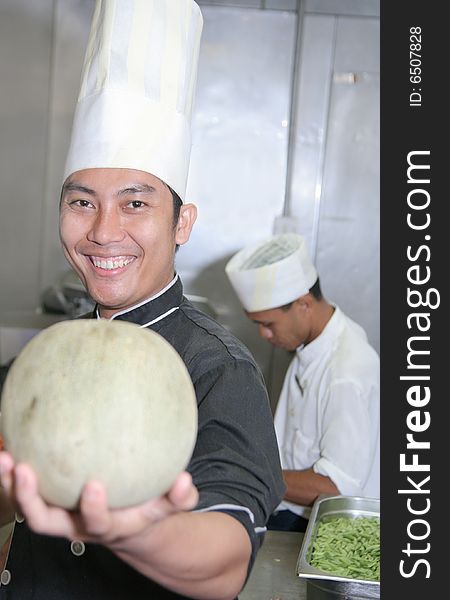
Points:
[(272, 273), (137, 89)]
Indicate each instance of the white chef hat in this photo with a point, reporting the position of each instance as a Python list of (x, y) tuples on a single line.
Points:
[(272, 273), (137, 89)]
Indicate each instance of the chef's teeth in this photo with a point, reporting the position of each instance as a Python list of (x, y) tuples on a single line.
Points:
[(110, 264)]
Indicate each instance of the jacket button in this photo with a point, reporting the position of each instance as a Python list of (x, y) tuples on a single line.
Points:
[(5, 577), (77, 547)]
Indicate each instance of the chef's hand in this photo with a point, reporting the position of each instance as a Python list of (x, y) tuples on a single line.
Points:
[(94, 522), (195, 554)]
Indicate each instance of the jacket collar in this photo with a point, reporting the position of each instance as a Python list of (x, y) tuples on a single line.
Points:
[(324, 342), (153, 309)]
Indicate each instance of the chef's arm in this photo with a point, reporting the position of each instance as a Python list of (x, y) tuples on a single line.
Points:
[(200, 555), (303, 487)]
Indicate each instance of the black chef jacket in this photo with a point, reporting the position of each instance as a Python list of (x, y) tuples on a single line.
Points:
[(235, 464)]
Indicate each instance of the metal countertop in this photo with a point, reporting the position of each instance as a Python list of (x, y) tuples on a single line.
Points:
[(273, 576)]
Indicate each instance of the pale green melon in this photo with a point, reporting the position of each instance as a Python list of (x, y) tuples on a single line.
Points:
[(104, 400)]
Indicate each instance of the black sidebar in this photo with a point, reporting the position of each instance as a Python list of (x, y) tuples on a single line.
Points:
[(415, 237)]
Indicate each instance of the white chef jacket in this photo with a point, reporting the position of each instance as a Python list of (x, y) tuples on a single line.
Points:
[(327, 416)]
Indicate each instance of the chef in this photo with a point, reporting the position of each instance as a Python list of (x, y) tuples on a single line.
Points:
[(122, 216), (327, 417)]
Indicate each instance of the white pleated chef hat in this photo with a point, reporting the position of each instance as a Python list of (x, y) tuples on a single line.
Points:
[(272, 273), (137, 89)]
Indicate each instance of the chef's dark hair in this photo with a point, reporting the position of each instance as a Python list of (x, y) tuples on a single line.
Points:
[(177, 202), (315, 291)]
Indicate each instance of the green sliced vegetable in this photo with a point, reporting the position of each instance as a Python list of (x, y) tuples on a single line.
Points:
[(348, 547)]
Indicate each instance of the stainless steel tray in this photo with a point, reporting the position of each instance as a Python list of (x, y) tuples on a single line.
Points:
[(324, 585)]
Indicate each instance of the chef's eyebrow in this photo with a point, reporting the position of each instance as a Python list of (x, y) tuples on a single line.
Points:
[(137, 188), (76, 187), (263, 323)]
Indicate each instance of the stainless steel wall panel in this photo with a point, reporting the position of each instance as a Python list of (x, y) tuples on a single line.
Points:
[(369, 8), (263, 4), (25, 48), (281, 4), (317, 50), (235, 3), (335, 184), (238, 159), (348, 237), (357, 45)]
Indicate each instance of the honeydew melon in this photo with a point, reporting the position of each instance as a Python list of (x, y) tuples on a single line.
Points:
[(103, 400)]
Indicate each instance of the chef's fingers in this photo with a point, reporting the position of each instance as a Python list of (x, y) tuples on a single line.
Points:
[(183, 494), (97, 518), (114, 526), (7, 473), (94, 521), (41, 517)]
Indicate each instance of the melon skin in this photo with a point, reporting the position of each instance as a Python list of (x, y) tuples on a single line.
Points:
[(103, 400)]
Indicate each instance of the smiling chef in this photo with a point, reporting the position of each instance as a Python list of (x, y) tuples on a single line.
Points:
[(122, 216)]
